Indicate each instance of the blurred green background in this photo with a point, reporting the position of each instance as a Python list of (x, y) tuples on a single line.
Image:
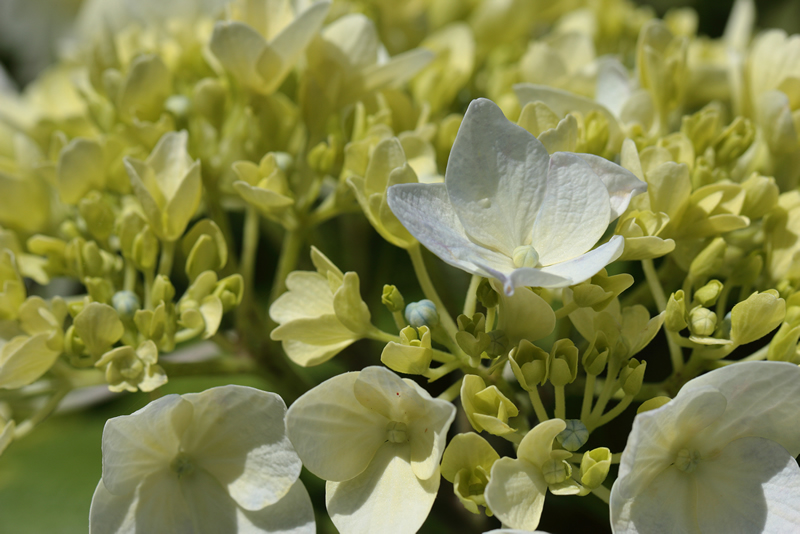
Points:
[(47, 479)]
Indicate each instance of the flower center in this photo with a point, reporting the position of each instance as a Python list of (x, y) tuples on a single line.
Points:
[(396, 432), (182, 465), (554, 471), (525, 256), (687, 460)]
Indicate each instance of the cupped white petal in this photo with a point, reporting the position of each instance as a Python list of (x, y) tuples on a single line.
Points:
[(426, 212), (515, 493), (575, 211), (161, 507), (752, 486), (584, 267), (428, 434), (532, 277), (309, 296), (334, 434), (496, 178), (309, 355), (622, 185), (142, 443), (535, 447), (386, 497), (667, 506), (210, 507), (658, 435), (293, 514), (763, 400), (238, 435), (356, 37), (380, 390), (112, 514)]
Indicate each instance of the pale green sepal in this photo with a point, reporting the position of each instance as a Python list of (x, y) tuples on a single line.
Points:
[(756, 316), (486, 407), (466, 463), (99, 327), (351, 311)]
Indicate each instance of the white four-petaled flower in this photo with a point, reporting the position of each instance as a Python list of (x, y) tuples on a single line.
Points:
[(508, 210), (719, 457), (377, 439), (211, 462)]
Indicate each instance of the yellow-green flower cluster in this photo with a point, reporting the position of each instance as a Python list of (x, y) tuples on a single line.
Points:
[(600, 173)]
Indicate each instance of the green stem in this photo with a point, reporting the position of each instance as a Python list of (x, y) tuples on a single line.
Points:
[(654, 283), (399, 320), (614, 412), (760, 354), (415, 252), (588, 396), (167, 257), (561, 407), (538, 407), (602, 493), (491, 315), (290, 252), (472, 296), (443, 370), (41, 414), (452, 392), (129, 282), (149, 277), (249, 248)]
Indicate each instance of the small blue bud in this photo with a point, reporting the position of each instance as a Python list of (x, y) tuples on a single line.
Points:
[(126, 303), (422, 313), (574, 436)]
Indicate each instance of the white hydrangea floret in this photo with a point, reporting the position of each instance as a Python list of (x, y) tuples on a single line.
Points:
[(720, 457), (377, 439), (210, 462), (508, 210)]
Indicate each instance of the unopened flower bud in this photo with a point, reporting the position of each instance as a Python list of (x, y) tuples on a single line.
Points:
[(126, 303), (708, 294), (702, 321), (422, 313), (392, 299), (486, 295), (574, 436), (556, 471), (594, 467), (675, 318)]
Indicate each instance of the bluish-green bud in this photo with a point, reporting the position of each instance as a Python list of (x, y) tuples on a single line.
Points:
[(574, 436), (422, 313)]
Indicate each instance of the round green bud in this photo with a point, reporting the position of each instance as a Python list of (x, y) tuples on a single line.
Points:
[(702, 321), (555, 471), (422, 313)]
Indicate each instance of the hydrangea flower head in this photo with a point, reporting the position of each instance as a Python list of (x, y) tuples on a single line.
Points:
[(510, 211)]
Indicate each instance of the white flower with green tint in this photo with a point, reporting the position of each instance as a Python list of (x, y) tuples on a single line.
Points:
[(212, 462), (720, 457), (377, 439), (508, 210)]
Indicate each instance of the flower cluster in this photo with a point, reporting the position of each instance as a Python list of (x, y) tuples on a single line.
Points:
[(581, 211)]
